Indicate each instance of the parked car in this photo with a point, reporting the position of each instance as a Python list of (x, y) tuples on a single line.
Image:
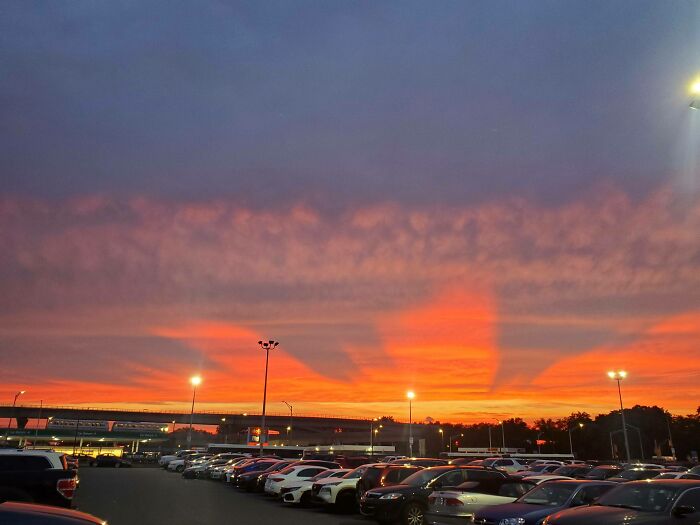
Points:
[(290, 478), (301, 493), (351, 462), (221, 471), (536, 470), (13, 513), (466, 461), (694, 470), (636, 474), (565, 472), (250, 466), (163, 461), (458, 504), (340, 494), (408, 501), (510, 465), (110, 460), (678, 475), (543, 500), (604, 472), (383, 475), (251, 480), (36, 476), (420, 462), (655, 502)]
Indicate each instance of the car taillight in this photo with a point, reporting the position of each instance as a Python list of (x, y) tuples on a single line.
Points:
[(66, 487)]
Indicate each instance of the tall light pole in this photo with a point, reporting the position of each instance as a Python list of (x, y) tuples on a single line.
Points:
[(571, 442), (195, 381), (410, 395), (290, 427), (442, 440), (223, 424), (14, 402), (619, 376), (503, 435), (267, 346), (371, 436)]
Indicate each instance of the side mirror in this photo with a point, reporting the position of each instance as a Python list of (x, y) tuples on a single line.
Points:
[(682, 510)]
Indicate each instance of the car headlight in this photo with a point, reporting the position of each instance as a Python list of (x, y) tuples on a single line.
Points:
[(324, 489), (512, 521), (292, 489), (391, 495)]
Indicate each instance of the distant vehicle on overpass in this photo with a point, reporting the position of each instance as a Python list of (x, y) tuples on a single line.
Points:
[(133, 426)]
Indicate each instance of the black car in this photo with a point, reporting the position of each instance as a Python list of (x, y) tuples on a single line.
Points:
[(420, 462), (573, 471), (109, 460), (12, 513), (603, 472), (636, 474), (655, 502), (543, 500), (408, 502), (250, 480)]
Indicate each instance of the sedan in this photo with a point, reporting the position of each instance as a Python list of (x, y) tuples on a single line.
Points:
[(543, 500), (290, 478), (655, 502), (301, 494)]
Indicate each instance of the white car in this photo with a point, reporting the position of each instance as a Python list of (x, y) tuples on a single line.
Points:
[(546, 462), (340, 493), (220, 471), (509, 465), (164, 460), (53, 460), (536, 470), (290, 477), (678, 475), (301, 492)]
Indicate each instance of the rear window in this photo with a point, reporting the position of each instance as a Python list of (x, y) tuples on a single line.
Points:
[(372, 475), (22, 462)]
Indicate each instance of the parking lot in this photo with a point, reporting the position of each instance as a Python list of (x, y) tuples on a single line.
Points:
[(146, 496)]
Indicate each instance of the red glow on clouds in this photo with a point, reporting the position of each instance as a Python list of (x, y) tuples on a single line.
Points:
[(505, 309)]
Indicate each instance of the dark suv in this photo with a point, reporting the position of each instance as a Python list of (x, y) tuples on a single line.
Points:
[(384, 475), (408, 501)]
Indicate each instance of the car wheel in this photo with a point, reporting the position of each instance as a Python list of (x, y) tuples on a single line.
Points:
[(413, 514), (305, 499)]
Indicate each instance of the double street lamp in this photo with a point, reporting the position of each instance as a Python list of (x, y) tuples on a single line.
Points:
[(267, 346), (619, 376)]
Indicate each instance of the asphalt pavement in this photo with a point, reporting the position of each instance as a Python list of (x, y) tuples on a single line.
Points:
[(151, 496)]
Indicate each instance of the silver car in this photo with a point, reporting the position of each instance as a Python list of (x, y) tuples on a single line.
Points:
[(458, 504)]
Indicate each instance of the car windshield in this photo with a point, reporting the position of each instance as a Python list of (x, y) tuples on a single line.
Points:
[(323, 474), (645, 497), (566, 471), (420, 478), (549, 494)]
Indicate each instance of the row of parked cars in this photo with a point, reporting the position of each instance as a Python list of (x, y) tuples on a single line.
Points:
[(494, 491)]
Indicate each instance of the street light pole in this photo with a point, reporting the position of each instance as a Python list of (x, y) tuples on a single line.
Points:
[(503, 435), (442, 440), (410, 395), (571, 442), (619, 376), (265, 345), (195, 381), (290, 428), (9, 422), (223, 420)]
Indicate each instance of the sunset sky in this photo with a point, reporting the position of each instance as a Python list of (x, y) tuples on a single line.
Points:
[(491, 204)]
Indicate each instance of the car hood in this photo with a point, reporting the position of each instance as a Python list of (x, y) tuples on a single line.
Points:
[(603, 514), (401, 489), (516, 510)]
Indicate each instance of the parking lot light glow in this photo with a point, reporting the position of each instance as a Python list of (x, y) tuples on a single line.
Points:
[(695, 87), (196, 380)]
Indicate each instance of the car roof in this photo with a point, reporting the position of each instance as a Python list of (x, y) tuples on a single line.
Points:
[(31, 509), (581, 482), (667, 482)]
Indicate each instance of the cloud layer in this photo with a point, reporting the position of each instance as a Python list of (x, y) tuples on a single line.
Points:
[(483, 309)]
